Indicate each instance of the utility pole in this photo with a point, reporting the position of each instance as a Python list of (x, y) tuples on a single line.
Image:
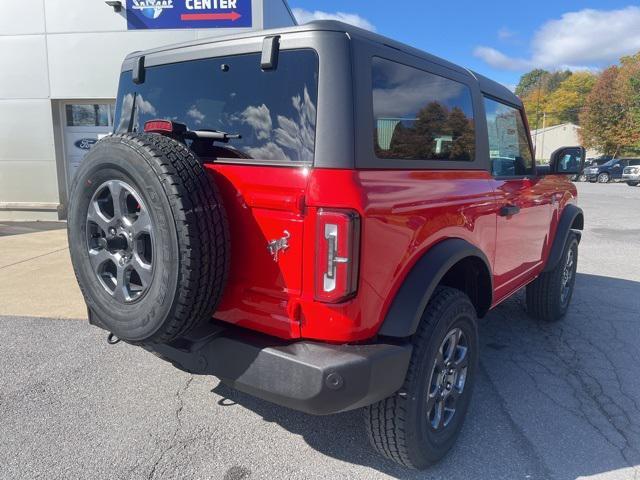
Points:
[(544, 124)]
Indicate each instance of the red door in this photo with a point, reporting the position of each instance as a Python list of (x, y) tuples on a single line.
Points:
[(524, 216), (522, 200)]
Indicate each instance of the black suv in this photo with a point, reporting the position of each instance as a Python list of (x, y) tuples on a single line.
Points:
[(609, 171), (590, 162)]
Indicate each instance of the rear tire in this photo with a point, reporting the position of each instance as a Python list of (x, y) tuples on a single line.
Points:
[(549, 295), (401, 427), (169, 212)]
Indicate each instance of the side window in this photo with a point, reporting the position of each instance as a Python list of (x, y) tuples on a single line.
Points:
[(509, 148), (419, 115)]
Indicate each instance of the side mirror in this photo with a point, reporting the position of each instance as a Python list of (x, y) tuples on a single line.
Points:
[(567, 161)]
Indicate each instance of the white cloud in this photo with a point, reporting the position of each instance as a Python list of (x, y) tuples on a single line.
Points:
[(306, 16), (270, 151), (145, 106), (142, 107), (505, 34), (580, 40), (196, 114), (260, 119), (499, 60)]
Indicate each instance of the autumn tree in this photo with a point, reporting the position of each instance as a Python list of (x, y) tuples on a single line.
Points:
[(611, 117), (535, 104), (565, 102), (540, 90), (603, 114), (628, 95)]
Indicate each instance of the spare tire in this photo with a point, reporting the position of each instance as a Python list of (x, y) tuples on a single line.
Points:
[(148, 237)]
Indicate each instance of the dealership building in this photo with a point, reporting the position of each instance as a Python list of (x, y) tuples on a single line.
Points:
[(60, 63)]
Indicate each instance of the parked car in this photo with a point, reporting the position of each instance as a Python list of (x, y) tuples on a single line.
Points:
[(609, 171), (631, 174), (590, 162), (318, 216)]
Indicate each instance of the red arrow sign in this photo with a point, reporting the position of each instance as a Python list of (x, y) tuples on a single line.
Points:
[(233, 16)]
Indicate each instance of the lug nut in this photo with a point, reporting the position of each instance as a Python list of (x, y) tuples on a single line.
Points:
[(112, 231)]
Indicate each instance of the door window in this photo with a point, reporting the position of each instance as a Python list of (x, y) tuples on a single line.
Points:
[(419, 115), (509, 147)]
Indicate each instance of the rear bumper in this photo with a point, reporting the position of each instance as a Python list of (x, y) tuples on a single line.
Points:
[(312, 377)]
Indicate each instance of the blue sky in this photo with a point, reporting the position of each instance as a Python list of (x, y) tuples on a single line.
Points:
[(499, 38)]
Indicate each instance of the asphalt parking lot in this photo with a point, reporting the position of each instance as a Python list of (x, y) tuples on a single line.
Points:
[(558, 401)]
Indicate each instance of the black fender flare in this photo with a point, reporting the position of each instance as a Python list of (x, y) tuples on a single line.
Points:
[(571, 215), (414, 294)]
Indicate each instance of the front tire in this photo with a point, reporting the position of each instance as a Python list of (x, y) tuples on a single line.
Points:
[(604, 178), (419, 424), (549, 295), (632, 184), (582, 178)]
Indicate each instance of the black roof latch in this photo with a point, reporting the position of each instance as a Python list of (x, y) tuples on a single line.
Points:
[(270, 50), (138, 71)]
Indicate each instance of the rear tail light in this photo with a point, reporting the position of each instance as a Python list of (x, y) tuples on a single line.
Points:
[(164, 127), (338, 251)]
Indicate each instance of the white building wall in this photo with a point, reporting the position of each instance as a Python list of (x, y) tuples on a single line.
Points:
[(52, 50), (547, 140)]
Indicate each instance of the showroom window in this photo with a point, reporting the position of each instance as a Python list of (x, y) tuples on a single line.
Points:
[(89, 115)]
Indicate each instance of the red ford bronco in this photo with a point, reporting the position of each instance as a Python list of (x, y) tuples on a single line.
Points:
[(318, 216)]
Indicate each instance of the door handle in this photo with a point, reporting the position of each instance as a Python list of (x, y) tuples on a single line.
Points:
[(509, 210)]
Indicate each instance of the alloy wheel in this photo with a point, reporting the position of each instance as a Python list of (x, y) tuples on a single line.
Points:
[(567, 276), (448, 379), (120, 241)]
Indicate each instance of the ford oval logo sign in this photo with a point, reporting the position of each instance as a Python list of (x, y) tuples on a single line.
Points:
[(85, 143)]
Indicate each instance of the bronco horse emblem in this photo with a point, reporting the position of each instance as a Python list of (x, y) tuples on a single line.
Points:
[(279, 245)]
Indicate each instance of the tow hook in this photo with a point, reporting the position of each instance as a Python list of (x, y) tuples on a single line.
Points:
[(112, 339)]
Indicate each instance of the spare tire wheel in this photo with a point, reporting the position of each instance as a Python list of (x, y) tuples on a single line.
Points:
[(148, 237)]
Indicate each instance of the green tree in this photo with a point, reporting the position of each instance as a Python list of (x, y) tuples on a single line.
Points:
[(530, 81), (554, 79)]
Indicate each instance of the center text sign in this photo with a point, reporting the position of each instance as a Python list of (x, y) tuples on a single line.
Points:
[(145, 14)]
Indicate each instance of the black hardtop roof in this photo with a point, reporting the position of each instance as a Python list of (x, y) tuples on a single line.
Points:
[(487, 85)]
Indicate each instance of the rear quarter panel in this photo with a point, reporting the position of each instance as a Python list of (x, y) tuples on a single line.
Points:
[(404, 213)]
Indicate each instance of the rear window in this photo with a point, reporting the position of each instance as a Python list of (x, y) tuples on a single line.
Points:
[(420, 115), (273, 110)]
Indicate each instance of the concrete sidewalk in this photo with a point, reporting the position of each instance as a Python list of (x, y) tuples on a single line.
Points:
[(36, 277)]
